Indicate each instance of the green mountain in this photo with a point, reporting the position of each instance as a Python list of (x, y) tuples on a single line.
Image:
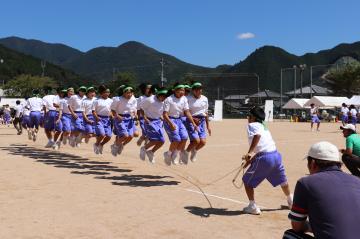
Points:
[(16, 63), (267, 62), (56, 53), (102, 62)]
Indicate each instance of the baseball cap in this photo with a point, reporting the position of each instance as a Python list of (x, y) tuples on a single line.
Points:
[(324, 151), (348, 126)]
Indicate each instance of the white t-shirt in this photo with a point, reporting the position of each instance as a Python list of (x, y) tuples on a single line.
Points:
[(314, 111), (87, 105), (75, 102), (35, 104), (139, 100), (64, 105), (266, 142), (353, 112), (18, 110), (198, 106), (102, 106), (344, 110), (153, 108), (125, 106), (49, 101), (176, 106)]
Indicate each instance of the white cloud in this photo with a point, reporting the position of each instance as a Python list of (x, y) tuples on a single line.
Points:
[(245, 36)]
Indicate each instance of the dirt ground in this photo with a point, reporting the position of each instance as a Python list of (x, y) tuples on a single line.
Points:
[(73, 193)]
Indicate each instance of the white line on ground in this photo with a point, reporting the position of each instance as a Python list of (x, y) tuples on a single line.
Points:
[(219, 197)]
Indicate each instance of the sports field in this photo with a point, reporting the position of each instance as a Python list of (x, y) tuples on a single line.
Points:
[(73, 193)]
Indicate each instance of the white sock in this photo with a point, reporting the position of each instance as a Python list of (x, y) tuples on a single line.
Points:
[(252, 203), (290, 197)]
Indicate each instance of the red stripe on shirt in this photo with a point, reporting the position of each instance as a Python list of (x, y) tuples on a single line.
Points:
[(298, 209)]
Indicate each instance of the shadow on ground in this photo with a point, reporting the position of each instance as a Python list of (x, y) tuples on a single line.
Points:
[(207, 212), (85, 166)]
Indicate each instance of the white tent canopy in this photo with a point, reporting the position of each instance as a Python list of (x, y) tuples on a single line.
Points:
[(327, 101), (10, 101), (355, 100), (296, 103)]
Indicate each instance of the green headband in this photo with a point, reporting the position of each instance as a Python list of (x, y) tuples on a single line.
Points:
[(82, 88), (64, 91), (90, 89), (161, 92), (148, 86), (196, 85), (187, 87), (128, 88), (69, 89), (179, 87)]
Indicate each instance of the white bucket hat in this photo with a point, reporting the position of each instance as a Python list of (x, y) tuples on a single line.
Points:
[(324, 151)]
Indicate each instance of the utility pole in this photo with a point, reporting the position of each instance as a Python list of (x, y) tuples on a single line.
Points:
[(163, 79), (1, 62), (294, 80)]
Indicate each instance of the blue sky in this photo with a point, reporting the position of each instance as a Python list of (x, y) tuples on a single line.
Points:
[(197, 31)]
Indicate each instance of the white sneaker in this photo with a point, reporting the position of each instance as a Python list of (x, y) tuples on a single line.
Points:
[(101, 147), (96, 149), (49, 144), (193, 155), (56, 146), (167, 159), (34, 136), (142, 153), (114, 150), (140, 141), (120, 149), (184, 157), (175, 159), (77, 145), (150, 155), (252, 209)]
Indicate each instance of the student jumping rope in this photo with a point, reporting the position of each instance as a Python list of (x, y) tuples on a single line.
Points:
[(146, 92), (264, 159), (35, 105), (25, 122), (152, 109), (89, 120), (17, 117), (103, 117), (314, 112), (58, 135), (124, 111), (176, 106), (66, 116), (198, 107), (50, 116), (77, 121)]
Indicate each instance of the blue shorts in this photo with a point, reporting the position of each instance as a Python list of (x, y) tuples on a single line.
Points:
[(66, 122), (315, 119), (142, 126), (154, 130), (7, 117), (77, 124), (193, 134), (35, 119), (353, 120), (344, 118), (25, 122), (126, 127), (179, 133), (89, 128), (103, 127), (265, 166), (50, 119)]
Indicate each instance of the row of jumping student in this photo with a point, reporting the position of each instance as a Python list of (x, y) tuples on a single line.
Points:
[(70, 118)]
